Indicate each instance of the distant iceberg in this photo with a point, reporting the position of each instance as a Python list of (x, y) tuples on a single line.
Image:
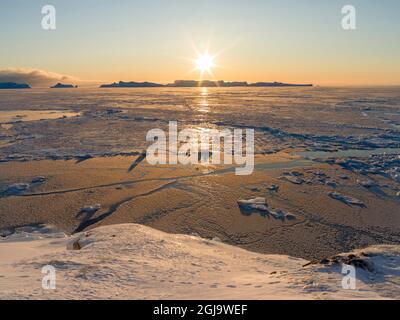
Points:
[(131, 84), (202, 83), (63, 86), (13, 85), (222, 83)]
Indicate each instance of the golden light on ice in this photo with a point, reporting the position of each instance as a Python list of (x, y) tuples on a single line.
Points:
[(204, 63)]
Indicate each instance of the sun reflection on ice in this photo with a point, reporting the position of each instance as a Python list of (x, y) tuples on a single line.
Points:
[(204, 106)]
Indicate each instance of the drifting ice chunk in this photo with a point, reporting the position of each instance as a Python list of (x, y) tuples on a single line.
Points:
[(39, 179), (368, 183), (319, 173), (91, 209), (254, 204), (293, 173), (15, 189), (282, 215), (290, 217), (273, 187), (6, 232), (346, 199), (330, 183), (31, 232), (278, 214), (259, 204), (293, 179)]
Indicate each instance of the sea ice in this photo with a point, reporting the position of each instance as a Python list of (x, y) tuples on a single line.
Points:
[(91, 209), (294, 180), (278, 214), (368, 183), (258, 203), (39, 179), (15, 189), (30, 232), (290, 217), (330, 183), (6, 232), (273, 187), (282, 215), (346, 199)]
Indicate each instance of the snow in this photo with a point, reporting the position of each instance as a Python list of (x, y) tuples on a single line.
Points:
[(131, 261)]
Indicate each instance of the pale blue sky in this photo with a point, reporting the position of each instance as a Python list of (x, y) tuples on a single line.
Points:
[(283, 40)]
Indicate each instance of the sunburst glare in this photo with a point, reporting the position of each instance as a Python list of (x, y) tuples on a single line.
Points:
[(204, 63)]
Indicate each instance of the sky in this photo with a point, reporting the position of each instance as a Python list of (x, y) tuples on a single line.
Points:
[(298, 41)]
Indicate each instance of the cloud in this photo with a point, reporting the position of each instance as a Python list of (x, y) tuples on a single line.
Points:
[(36, 77)]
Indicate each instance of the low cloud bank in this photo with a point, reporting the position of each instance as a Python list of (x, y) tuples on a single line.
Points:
[(36, 77)]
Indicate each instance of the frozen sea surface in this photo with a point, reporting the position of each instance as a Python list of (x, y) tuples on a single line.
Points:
[(115, 121)]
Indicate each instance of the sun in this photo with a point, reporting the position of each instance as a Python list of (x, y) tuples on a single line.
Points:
[(204, 63)]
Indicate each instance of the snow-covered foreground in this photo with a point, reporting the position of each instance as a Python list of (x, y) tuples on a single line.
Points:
[(136, 262)]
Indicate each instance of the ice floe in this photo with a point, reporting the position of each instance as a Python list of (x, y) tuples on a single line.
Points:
[(38, 179), (346, 199), (15, 189), (30, 232), (91, 209), (367, 183), (273, 187), (331, 183), (387, 165), (293, 177), (259, 204)]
